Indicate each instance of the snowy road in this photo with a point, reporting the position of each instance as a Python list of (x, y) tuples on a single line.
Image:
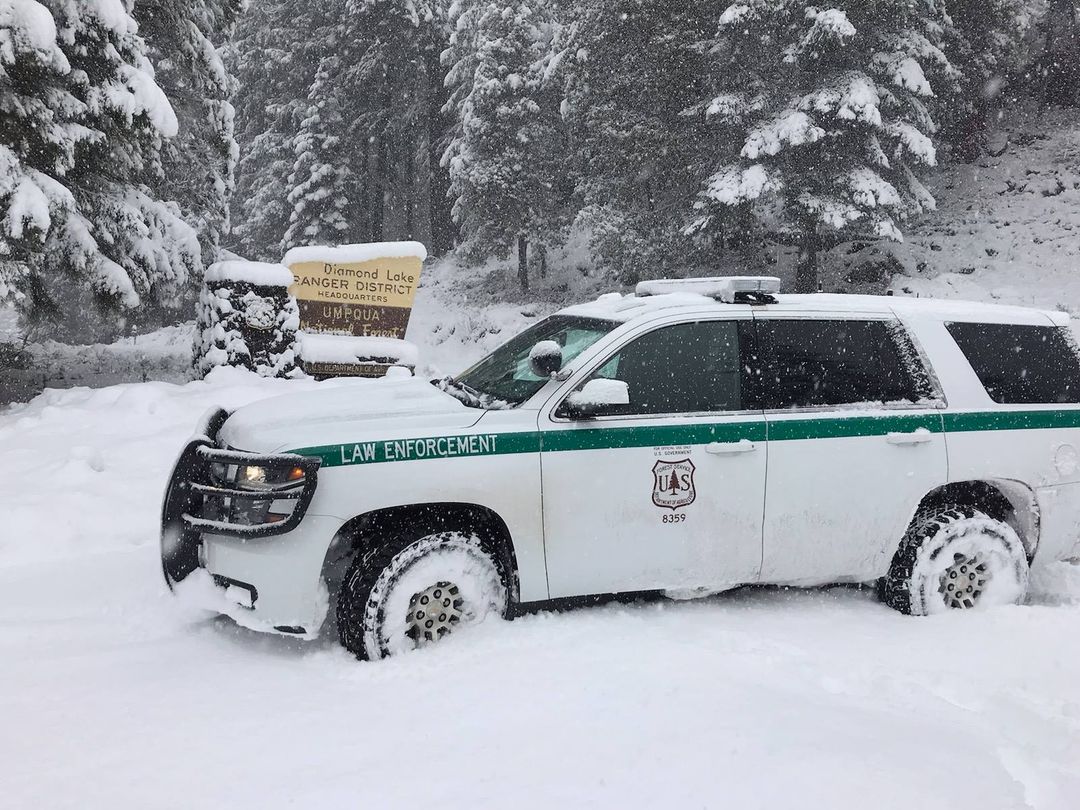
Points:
[(112, 696)]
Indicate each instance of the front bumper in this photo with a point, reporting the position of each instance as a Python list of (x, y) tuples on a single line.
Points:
[(266, 576)]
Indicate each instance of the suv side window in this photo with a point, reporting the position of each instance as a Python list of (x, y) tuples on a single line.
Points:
[(686, 368), (1020, 364), (804, 363)]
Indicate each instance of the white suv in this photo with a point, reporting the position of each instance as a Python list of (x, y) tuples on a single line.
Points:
[(693, 437)]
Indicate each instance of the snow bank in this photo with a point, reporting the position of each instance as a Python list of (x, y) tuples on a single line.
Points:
[(85, 468), (318, 348), (346, 254)]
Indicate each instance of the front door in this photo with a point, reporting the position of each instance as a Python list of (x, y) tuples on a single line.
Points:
[(855, 442), (665, 493)]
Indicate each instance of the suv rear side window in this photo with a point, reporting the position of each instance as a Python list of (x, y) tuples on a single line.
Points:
[(1021, 364), (812, 363)]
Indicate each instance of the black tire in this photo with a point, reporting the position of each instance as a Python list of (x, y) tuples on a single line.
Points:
[(375, 604), (939, 541)]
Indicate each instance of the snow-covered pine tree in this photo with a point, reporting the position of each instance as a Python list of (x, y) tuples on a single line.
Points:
[(246, 318), (1056, 69), (631, 67), (77, 158), (505, 159), (399, 80), (459, 61), (274, 57), (984, 42), (827, 108), (324, 188), (36, 144), (184, 38)]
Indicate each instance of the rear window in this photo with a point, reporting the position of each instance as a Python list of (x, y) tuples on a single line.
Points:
[(1021, 365), (813, 363)]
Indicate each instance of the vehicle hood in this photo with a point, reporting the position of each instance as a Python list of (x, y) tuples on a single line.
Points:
[(365, 409)]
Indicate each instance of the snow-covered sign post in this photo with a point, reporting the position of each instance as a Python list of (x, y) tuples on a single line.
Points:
[(354, 303), (247, 318)]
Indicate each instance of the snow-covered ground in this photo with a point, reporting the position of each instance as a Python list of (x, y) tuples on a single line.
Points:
[(113, 696), (1007, 227)]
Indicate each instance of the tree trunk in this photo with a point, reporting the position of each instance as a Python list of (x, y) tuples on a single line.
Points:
[(373, 192), (396, 186), (541, 252), (523, 261), (421, 191), (806, 270), (420, 225), (1061, 78)]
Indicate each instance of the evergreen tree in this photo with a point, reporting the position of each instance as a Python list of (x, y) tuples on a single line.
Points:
[(631, 68), (324, 188), (983, 40), (399, 79), (82, 133), (36, 143), (505, 157), (828, 109), (275, 56), (1056, 68), (184, 37)]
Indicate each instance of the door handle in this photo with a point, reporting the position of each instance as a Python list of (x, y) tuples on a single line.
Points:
[(730, 448), (920, 436)]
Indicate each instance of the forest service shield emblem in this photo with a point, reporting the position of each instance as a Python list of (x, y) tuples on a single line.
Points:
[(673, 483)]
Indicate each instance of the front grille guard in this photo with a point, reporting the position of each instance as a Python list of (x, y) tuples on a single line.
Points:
[(192, 489)]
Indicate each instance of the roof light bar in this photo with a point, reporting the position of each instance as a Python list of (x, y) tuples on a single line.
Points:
[(723, 288)]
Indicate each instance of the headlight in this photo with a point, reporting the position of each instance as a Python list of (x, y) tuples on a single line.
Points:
[(258, 478), (252, 475), (275, 490)]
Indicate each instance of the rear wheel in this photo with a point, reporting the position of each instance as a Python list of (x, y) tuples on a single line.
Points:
[(412, 593), (957, 558)]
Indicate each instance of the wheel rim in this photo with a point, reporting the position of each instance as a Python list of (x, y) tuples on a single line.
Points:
[(963, 583), (434, 612)]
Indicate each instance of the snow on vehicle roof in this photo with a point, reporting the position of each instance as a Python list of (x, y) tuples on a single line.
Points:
[(722, 288), (905, 305), (623, 308), (626, 308), (258, 273), (347, 254)]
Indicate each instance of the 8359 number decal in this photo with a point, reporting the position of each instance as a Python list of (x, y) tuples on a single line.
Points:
[(678, 517)]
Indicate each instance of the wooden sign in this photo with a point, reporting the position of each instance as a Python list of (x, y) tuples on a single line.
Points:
[(362, 290)]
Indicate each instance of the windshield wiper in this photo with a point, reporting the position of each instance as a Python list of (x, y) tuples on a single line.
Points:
[(469, 396)]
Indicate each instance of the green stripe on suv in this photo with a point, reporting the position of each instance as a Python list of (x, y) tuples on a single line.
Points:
[(1011, 420), (842, 427), (611, 438)]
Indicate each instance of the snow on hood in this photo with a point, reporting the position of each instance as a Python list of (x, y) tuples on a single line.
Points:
[(345, 413)]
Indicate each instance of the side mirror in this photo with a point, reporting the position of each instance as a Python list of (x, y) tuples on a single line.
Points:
[(545, 359), (597, 397)]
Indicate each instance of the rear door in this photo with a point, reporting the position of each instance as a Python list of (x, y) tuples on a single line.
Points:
[(665, 493), (855, 441)]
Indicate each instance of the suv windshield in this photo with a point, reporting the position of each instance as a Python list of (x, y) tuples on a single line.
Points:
[(504, 375)]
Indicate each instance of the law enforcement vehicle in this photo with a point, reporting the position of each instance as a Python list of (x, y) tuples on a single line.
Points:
[(692, 437)]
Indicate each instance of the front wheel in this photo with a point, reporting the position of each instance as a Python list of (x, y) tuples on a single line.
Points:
[(956, 559), (406, 595)]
